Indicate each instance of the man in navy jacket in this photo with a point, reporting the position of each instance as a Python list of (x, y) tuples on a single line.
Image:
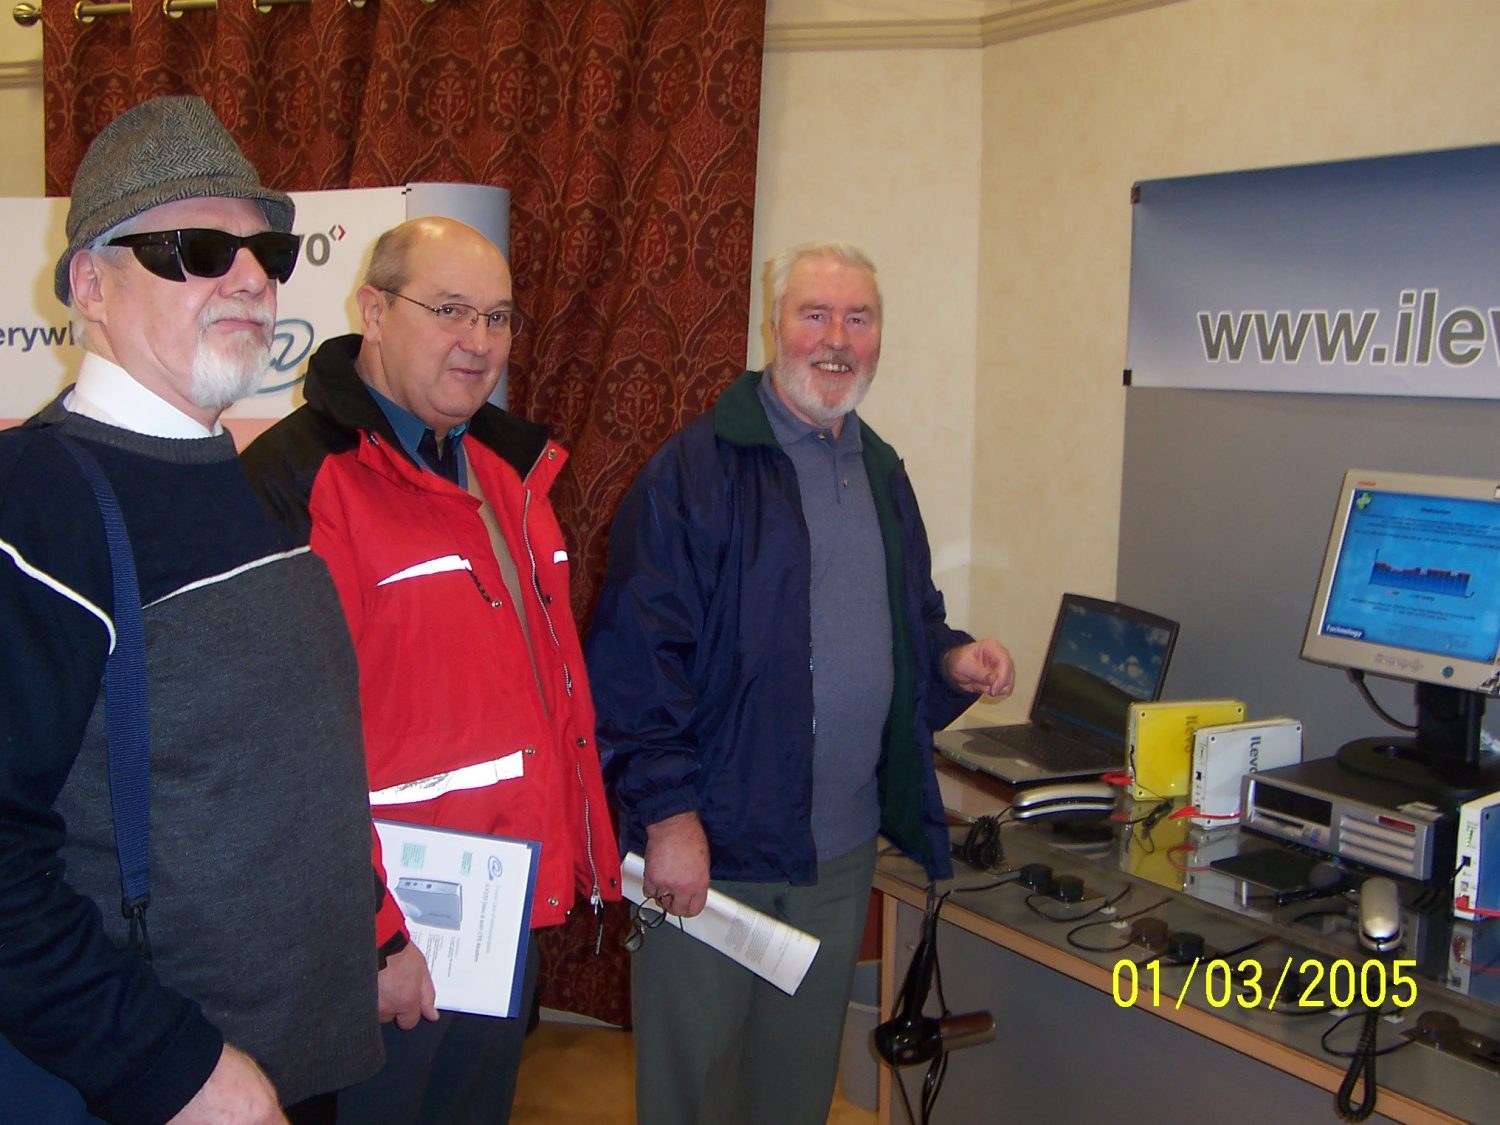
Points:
[(770, 658)]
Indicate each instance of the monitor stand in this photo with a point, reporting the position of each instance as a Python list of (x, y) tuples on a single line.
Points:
[(1443, 762)]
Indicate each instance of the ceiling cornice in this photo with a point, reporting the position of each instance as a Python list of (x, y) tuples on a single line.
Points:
[(1016, 20)]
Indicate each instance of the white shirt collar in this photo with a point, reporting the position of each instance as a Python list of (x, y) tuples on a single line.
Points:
[(107, 393)]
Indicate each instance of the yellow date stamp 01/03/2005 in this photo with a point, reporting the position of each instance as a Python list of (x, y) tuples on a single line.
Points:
[(1249, 984)]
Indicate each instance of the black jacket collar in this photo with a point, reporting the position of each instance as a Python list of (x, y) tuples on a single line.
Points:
[(334, 390)]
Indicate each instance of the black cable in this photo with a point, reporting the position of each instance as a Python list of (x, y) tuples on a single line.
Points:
[(1339, 912), (1207, 955), (1278, 899), (905, 1101), (981, 847), (937, 1070), (1439, 896), (1076, 944), (1336, 1024), (1357, 678), (1361, 1070), (1246, 948), (1300, 1012), (932, 1081), (1155, 813), (1361, 1065), (1104, 904), (1014, 875), (932, 1085), (937, 980), (1142, 827)]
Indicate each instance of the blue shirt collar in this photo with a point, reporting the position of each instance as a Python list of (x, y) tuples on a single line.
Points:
[(409, 429)]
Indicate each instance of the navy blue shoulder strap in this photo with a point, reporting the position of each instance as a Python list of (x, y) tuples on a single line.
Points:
[(127, 720)]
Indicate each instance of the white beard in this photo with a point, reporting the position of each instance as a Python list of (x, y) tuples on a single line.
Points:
[(225, 371), (800, 382)]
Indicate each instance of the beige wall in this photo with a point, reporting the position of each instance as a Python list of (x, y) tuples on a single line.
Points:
[(21, 169), (879, 148), (1071, 119)]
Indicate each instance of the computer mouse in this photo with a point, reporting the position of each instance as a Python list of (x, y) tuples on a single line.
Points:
[(1379, 915), (1074, 800)]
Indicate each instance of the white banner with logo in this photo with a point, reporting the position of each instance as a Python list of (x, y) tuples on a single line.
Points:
[(339, 228), (1378, 277)]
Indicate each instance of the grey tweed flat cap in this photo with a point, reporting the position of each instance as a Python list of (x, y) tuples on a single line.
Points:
[(158, 152)]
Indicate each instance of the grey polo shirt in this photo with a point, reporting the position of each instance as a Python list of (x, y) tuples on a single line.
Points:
[(851, 624)]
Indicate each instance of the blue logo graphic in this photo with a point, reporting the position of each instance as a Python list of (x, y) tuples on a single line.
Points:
[(495, 868), (289, 347)]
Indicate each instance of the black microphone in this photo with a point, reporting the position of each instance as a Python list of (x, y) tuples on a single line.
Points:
[(911, 1041), (909, 1037)]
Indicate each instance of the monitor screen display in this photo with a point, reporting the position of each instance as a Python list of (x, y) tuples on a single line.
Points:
[(1410, 586), (1103, 655)]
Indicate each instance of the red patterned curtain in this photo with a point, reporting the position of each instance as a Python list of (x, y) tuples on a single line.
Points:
[(626, 133)]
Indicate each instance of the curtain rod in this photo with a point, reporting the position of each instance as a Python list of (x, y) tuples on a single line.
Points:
[(27, 14)]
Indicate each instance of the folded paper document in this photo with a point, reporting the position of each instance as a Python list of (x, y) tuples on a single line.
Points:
[(467, 901), (767, 947)]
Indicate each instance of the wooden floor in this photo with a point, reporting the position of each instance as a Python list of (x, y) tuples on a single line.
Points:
[(572, 1074)]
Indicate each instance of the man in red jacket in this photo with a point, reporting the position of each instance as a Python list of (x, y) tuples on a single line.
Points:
[(430, 507)]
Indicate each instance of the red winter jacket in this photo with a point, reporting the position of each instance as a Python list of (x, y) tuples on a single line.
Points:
[(446, 679)]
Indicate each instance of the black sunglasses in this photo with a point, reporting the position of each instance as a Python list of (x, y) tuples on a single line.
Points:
[(203, 252)]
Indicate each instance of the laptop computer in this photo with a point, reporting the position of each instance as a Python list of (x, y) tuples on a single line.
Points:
[(1103, 656)]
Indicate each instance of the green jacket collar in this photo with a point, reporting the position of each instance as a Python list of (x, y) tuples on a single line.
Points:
[(740, 419)]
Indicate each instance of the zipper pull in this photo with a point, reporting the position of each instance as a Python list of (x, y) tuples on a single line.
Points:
[(596, 900)]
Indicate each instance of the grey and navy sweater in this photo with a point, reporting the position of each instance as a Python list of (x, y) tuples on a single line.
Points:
[(260, 917)]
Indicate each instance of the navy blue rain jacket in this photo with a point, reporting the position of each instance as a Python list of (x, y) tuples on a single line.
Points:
[(700, 651)]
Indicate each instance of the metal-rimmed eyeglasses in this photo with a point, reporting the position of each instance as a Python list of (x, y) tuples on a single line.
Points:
[(459, 318), (643, 916)]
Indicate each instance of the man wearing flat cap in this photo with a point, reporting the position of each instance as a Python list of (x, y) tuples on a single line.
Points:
[(244, 979)]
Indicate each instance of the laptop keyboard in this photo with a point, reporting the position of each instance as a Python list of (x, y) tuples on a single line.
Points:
[(1049, 751)]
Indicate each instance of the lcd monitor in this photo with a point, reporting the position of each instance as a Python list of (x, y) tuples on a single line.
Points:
[(1410, 590)]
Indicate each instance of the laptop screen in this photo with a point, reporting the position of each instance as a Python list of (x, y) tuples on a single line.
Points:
[(1103, 657)]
